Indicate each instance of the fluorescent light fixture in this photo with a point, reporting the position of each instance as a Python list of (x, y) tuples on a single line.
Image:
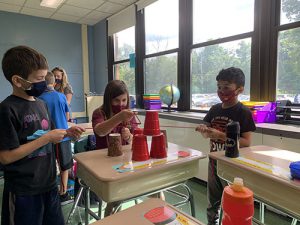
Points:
[(51, 3)]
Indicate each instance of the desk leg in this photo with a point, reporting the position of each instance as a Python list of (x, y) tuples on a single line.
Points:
[(75, 205), (294, 222), (87, 205), (262, 212), (187, 198)]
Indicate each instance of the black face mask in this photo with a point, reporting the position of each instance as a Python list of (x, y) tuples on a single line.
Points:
[(58, 81), (37, 89)]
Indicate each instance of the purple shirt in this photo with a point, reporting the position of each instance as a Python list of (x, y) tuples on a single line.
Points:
[(99, 117)]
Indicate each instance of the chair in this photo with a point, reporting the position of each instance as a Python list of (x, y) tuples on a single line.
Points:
[(82, 191)]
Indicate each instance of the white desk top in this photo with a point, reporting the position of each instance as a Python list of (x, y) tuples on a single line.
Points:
[(136, 215), (265, 170), (99, 172)]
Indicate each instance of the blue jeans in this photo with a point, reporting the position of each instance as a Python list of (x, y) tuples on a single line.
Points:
[(41, 209)]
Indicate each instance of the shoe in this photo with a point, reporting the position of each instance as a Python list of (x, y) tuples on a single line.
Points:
[(65, 199)]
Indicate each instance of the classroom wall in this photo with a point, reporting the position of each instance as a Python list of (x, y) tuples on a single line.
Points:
[(99, 58), (59, 41)]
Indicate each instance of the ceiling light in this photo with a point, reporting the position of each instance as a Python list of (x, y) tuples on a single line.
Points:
[(51, 3)]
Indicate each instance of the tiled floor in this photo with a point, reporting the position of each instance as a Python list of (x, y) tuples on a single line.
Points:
[(199, 192)]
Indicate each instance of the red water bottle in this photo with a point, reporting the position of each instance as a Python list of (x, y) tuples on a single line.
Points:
[(237, 204)]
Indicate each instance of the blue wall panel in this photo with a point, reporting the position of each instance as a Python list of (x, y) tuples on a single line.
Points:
[(59, 41), (100, 56)]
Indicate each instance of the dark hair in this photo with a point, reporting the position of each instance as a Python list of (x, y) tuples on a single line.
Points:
[(232, 75), (113, 89), (22, 61)]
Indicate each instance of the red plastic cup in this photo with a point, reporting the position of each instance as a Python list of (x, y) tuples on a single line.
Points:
[(138, 131), (158, 147), (151, 125), (140, 150)]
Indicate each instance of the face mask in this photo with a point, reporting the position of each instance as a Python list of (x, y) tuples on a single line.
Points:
[(227, 96), (36, 89), (117, 108), (58, 81)]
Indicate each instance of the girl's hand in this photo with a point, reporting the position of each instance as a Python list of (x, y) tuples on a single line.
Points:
[(126, 135), (55, 136), (126, 115)]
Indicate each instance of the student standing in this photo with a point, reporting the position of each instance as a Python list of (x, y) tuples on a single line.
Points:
[(62, 84), (230, 83), (30, 195), (59, 111)]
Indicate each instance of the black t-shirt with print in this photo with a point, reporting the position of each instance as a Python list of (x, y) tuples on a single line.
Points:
[(19, 119), (219, 118)]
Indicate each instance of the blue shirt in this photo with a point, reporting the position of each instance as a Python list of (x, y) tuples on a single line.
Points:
[(58, 107)]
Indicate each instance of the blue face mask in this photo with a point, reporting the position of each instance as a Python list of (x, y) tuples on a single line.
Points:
[(36, 89)]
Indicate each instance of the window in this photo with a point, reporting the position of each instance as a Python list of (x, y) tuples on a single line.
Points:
[(187, 43), (124, 47), (214, 19), (123, 71), (161, 27), (219, 42), (290, 11), (161, 45), (124, 44), (160, 71), (288, 53)]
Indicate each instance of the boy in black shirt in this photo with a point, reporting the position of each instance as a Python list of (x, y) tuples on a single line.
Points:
[(30, 195), (230, 84)]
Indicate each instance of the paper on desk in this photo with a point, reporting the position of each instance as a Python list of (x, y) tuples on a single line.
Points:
[(264, 166), (166, 215), (133, 165)]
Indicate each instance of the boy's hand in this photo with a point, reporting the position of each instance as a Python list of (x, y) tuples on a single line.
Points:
[(203, 129), (215, 134), (55, 136), (126, 115), (74, 132), (126, 135)]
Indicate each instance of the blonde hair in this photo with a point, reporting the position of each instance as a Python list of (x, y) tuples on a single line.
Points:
[(65, 81)]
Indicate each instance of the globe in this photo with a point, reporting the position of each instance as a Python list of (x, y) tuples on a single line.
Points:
[(169, 94)]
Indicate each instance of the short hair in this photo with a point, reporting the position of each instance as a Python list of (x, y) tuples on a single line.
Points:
[(50, 78), (113, 89), (232, 75), (22, 61)]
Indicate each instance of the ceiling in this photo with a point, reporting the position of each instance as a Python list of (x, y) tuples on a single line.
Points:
[(77, 11)]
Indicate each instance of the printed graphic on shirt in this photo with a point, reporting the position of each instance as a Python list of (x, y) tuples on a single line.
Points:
[(29, 121), (219, 123)]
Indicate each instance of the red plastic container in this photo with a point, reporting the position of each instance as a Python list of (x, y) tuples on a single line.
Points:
[(158, 147), (151, 125), (237, 204), (140, 150), (138, 131)]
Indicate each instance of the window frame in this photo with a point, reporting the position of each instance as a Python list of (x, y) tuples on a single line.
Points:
[(264, 40)]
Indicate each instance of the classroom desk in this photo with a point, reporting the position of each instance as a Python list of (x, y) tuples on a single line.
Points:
[(135, 215), (95, 168), (265, 170)]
